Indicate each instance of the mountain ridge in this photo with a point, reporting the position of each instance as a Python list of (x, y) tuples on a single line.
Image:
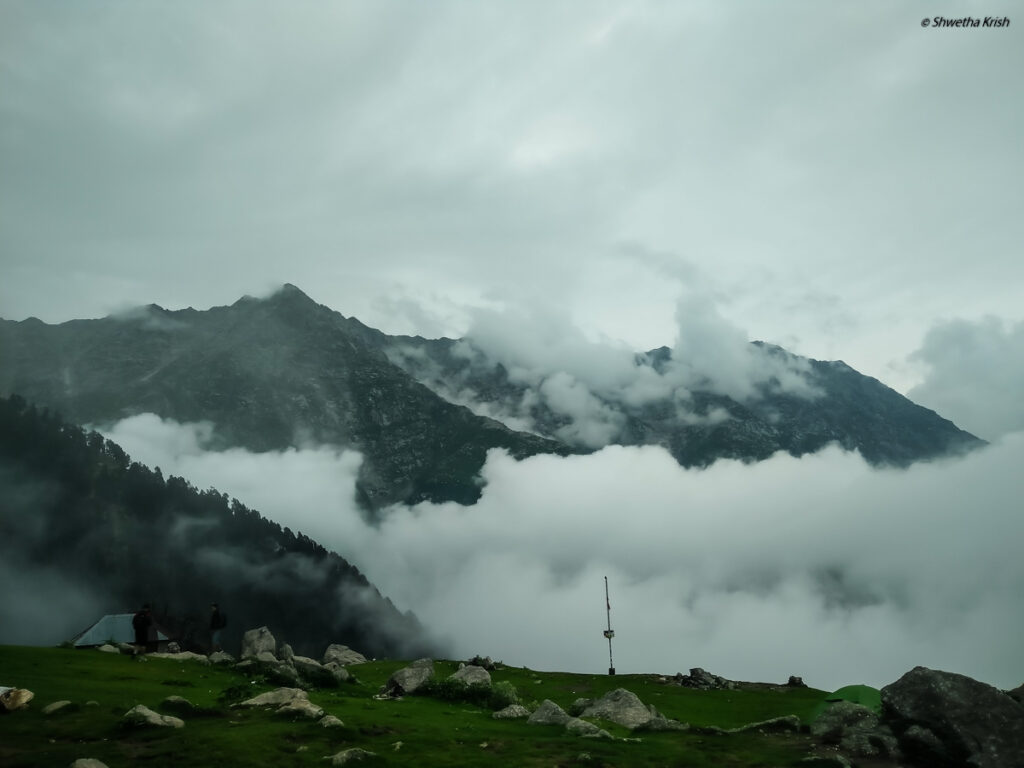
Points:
[(284, 371)]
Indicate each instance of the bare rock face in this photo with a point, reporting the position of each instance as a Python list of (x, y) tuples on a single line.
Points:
[(408, 679), (141, 715), (948, 720), (549, 713), (472, 674), (257, 641), (343, 655)]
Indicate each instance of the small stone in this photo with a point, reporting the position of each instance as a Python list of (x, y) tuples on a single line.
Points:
[(56, 706)]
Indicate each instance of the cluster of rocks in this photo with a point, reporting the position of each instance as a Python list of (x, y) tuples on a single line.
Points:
[(619, 706), (701, 680), (262, 652), (931, 718)]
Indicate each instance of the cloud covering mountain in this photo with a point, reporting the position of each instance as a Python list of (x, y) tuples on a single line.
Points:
[(819, 566)]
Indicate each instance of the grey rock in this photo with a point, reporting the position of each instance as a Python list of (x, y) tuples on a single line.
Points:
[(511, 712), (970, 723), (548, 713), (182, 656), (625, 708), (56, 706), (141, 715), (704, 681), (339, 672), (330, 721), (221, 657), (87, 762), (285, 652), (304, 708), (352, 755), (472, 675), (579, 706), (173, 647), (266, 657), (275, 698), (255, 641), (108, 648), (406, 680), (796, 682), (178, 704), (1017, 694), (579, 727), (343, 655)]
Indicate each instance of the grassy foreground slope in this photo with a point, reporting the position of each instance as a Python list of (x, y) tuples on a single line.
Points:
[(416, 731)]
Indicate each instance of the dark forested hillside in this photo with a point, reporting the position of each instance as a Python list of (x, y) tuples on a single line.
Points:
[(76, 510)]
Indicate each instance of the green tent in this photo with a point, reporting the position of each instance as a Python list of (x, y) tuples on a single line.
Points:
[(864, 695)]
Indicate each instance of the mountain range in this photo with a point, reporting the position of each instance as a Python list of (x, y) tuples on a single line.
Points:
[(285, 371)]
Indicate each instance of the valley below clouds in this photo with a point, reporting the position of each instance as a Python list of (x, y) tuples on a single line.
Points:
[(819, 566)]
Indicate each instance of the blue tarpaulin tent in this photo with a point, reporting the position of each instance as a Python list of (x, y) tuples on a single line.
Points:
[(115, 627)]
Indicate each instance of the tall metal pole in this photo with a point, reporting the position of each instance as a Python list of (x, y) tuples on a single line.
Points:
[(609, 633)]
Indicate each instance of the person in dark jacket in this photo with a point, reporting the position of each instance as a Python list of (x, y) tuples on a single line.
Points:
[(217, 623), (141, 623)]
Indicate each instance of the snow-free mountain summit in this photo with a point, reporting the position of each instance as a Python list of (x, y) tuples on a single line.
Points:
[(285, 371)]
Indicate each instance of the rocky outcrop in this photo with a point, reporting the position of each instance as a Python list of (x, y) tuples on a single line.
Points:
[(276, 698), (343, 655), (406, 680), (703, 681), (256, 641), (141, 716), (943, 719)]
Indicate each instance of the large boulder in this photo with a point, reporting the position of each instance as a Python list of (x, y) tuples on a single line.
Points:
[(257, 641), (549, 713), (275, 698), (472, 674), (408, 679), (625, 708), (947, 720), (343, 655)]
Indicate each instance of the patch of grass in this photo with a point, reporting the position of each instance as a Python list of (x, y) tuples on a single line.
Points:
[(456, 731)]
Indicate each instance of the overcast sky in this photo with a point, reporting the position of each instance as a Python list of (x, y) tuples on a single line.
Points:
[(835, 178)]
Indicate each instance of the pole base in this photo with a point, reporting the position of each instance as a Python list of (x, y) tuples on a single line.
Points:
[(611, 670)]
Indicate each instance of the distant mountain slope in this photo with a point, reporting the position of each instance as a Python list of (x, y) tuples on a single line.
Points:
[(282, 371), (269, 374), (856, 411), (75, 509)]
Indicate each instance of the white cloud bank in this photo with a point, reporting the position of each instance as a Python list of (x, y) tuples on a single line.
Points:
[(820, 566)]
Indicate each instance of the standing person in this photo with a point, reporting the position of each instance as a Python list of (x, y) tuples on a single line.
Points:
[(141, 622), (217, 623)]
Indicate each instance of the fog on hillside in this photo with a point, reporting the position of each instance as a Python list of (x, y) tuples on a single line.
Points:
[(820, 566)]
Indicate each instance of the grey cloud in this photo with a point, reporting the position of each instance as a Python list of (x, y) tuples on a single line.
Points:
[(975, 375)]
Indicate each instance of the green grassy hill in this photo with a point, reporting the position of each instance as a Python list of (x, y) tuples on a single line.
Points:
[(414, 731)]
